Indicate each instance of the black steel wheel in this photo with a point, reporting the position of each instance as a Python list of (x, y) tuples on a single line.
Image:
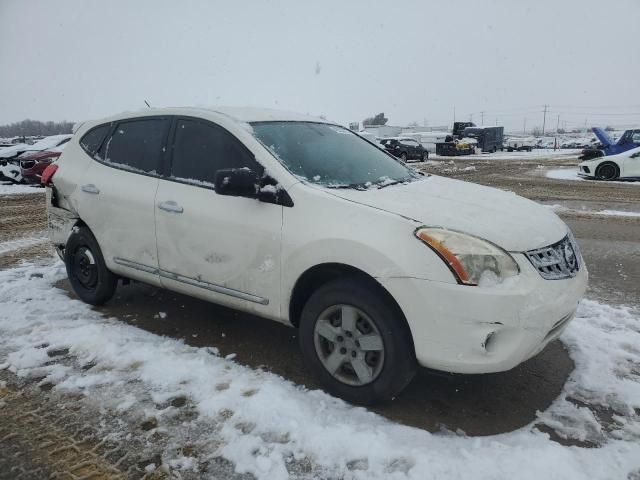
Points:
[(88, 274)]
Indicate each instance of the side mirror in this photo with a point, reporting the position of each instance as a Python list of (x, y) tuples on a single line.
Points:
[(238, 182), (244, 182)]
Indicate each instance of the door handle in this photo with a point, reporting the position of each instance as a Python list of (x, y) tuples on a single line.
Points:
[(90, 188), (170, 206)]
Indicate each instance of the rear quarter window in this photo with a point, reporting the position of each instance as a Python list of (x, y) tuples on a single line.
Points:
[(92, 140)]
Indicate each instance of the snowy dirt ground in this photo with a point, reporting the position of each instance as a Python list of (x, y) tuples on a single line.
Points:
[(89, 393)]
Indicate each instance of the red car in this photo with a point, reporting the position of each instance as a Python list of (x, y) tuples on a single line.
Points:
[(39, 155), (33, 164)]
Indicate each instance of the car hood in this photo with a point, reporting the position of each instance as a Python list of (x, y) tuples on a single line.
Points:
[(504, 218), (37, 155), (9, 152)]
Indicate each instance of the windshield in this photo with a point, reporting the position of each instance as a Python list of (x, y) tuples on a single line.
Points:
[(329, 155)]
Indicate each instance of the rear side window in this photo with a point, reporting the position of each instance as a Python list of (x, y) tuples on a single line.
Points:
[(136, 145), (200, 149), (92, 140)]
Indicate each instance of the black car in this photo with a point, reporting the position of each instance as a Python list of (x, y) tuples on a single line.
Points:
[(405, 148)]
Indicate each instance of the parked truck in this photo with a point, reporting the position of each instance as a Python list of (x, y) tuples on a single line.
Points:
[(489, 139)]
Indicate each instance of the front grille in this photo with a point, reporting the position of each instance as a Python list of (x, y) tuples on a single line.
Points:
[(586, 170), (557, 261)]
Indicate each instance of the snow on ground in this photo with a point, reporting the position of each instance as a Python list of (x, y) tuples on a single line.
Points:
[(618, 213), (536, 154), (564, 174), (263, 423), (20, 243), (13, 189), (572, 174), (608, 213)]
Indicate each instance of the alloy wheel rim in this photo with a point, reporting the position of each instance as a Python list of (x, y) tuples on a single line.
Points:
[(607, 172), (349, 345)]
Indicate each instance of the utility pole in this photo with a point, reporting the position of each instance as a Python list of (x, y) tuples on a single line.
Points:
[(558, 123), (454, 114), (544, 118), (524, 128), (481, 118)]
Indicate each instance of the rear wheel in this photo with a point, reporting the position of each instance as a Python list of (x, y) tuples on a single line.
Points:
[(403, 156), (424, 157), (357, 343), (607, 171), (88, 274)]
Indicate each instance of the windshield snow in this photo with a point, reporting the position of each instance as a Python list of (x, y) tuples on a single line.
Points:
[(330, 155)]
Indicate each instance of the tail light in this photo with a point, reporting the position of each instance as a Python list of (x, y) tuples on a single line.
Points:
[(48, 173)]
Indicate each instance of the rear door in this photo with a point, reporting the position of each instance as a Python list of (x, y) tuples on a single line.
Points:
[(116, 197), (221, 248)]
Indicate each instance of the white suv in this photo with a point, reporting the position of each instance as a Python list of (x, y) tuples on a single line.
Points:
[(299, 220)]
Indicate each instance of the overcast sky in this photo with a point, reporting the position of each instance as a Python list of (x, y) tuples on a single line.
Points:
[(413, 60)]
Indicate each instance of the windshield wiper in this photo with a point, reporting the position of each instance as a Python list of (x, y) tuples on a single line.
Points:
[(393, 182), (353, 186)]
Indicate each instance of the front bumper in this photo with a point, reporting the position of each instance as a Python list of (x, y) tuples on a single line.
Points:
[(466, 329), (586, 171)]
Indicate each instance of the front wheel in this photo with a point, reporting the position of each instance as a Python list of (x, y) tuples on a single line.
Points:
[(424, 157), (607, 171), (357, 343), (88, 274)]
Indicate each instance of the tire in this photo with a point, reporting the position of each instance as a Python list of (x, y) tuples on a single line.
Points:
[(389, 359), (607, 171), (424, 157), (86, 269), (403, 156)]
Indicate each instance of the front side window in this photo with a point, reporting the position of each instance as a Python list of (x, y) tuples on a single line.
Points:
[(92, 140), (330, 155), (136, 145), (200, 149)]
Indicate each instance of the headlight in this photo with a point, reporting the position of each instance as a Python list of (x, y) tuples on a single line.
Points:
[(469, 258)]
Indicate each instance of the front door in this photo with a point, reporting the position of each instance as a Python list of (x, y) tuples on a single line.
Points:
[(631, 167), (221, 248)]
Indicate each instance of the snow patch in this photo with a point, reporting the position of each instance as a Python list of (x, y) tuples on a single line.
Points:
[(20, 243), (564, 174), (285, 422), (618, 213), (7, 188)]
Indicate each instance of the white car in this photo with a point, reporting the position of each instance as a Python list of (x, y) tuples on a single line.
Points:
[(299, 220), (623, 165)]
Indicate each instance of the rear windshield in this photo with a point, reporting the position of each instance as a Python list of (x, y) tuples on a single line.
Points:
[(330, 155)]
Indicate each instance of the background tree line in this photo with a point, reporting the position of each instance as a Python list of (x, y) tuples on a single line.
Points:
[(35, 127)]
